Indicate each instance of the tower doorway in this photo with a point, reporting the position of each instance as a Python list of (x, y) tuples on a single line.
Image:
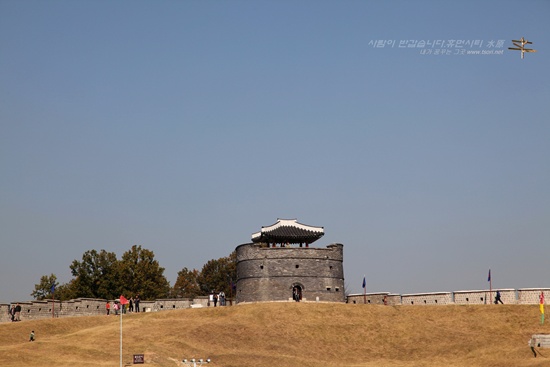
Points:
[(297, 293)]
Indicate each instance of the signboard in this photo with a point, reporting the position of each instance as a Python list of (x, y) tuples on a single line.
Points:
[(139, 359)]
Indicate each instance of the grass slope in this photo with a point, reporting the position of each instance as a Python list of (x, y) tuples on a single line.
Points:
[(286, 334)]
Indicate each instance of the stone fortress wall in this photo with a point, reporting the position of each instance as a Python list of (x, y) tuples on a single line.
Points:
[(525, 296), (266, 274), (36, 310)]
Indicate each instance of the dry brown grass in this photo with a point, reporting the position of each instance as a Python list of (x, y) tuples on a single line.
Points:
[(287, 334)]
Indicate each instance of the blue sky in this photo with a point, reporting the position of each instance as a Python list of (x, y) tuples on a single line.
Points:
[(186, 126)]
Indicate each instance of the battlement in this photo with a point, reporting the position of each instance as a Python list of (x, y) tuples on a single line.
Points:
[(525, 296)]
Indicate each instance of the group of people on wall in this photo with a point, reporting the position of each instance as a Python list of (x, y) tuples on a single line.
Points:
[(131, 306), (15, 312), (218, 297)]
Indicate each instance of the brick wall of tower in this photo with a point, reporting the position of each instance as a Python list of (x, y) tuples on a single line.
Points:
[(269, 274)]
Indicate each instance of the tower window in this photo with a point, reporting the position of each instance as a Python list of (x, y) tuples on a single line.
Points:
[(297, 266)]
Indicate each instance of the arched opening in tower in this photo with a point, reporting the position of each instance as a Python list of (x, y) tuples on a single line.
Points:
[(297, 293)]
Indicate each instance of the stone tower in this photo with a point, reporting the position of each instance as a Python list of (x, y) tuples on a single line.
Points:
[(281, 265)]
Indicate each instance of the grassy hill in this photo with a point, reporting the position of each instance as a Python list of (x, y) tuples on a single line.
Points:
[(286, 334)]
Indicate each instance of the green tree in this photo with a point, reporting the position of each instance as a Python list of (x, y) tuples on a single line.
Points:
[(186, 284), (218, 275), (66, 291), (96, 276), (141, 274), (43, 290)]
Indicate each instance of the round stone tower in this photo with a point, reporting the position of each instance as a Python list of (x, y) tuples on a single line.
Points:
[(280, 265)]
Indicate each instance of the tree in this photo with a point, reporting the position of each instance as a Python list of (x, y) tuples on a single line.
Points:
[(186, 284), (45, 288), (96, 276), (218, 275), (66, 291), (141, 274)]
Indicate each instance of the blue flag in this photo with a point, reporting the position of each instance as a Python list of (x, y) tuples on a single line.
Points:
[(364, 283), (52, 289), (489, 277)]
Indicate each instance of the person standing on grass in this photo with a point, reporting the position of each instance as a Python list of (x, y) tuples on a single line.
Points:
[(31, 337), (136, 303), (11, 312), (108, 308), (17, 313), (497, 299)]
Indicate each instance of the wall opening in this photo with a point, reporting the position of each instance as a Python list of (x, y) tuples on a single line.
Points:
[(297, 293)]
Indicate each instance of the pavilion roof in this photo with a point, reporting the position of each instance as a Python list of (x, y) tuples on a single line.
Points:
[(288, 231)]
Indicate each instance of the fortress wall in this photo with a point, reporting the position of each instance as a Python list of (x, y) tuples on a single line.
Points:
[(529, 296), (486, 296), (35, 310), (375, 298), (474, 297), (437, 298)]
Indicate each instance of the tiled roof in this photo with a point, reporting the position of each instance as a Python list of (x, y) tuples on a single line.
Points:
[(288, 231)]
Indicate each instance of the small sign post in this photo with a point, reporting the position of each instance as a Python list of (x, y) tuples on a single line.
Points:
[(139, 359)]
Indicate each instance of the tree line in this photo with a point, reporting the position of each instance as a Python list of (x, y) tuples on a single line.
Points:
[(101, 275)]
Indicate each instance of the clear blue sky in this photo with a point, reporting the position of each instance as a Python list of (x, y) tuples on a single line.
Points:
[(184, 126)]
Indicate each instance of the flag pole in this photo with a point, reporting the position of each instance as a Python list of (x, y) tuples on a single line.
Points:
[(364, 289), (123, 302), (490, 288), (53, 300), (121, 338)]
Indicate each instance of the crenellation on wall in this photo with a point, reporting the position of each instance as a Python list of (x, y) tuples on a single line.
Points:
[(471, 297), (433, 298), (475, 297), (36, 310), (531, 295), (487, 296), (375, 298)]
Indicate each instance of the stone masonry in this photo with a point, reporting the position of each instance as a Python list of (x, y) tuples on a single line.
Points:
[(270, 273)]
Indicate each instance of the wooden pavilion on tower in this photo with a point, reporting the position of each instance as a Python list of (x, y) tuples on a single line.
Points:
[(286, 232)]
